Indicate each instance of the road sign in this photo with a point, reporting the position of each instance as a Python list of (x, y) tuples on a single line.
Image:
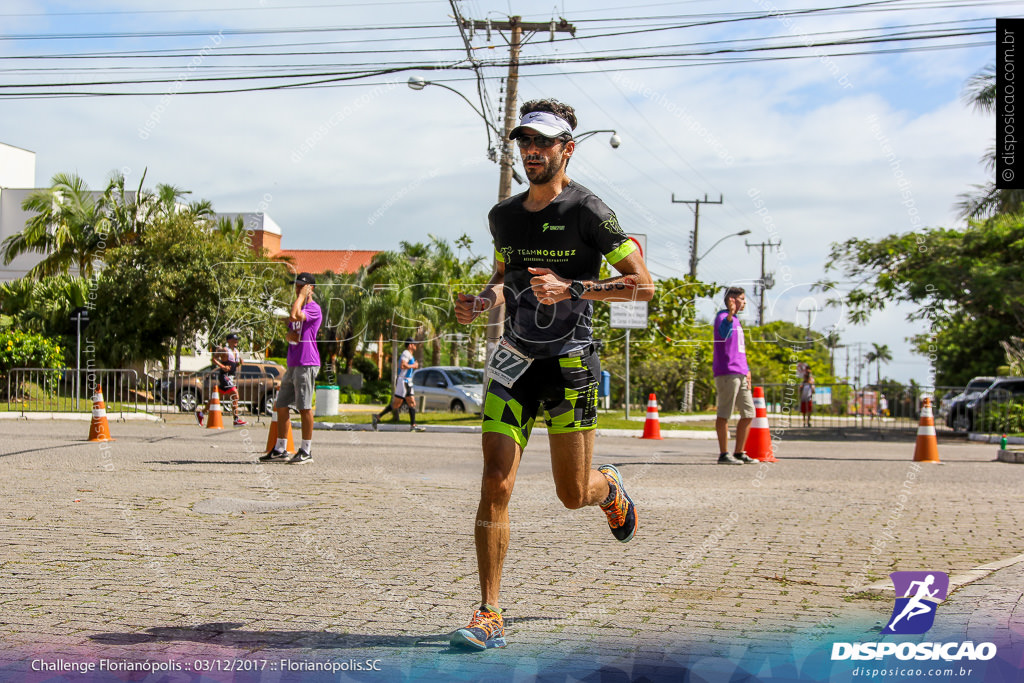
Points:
[(628, 315), (80, 315)]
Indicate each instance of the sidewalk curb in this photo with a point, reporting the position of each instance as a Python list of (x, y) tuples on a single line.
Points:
[(956, 581), (1010, 456), (983, 437)]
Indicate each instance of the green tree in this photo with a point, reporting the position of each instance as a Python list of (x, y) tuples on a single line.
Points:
[(671, 351), (965, 283), (878, 354), (44, 307), (987, 200), (68, 227), (177, 280), (342, 297), (20, 349), (72, 227), (412, 292)]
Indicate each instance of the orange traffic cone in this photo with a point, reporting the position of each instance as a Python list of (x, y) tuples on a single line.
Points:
[(927, 447), (214, 413), (652, 428), (759, 440), (99, 430), (272, 437)]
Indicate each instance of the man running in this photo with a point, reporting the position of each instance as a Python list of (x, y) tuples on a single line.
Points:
[(403, 389), (227, 360), (548, 244), (304, 319)]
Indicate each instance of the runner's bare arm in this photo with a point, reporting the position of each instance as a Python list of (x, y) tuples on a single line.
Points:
[(634, 284), (468, 307)]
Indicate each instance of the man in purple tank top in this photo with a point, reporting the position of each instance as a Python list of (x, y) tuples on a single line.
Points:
[(732, 378)]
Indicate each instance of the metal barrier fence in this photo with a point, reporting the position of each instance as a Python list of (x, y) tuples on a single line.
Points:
[(68, 391), (124, 392), (847, 406)]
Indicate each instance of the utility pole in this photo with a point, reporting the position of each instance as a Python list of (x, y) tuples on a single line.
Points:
[(766, 282), (688, 391), (515, 26), (696, 226), (808, 311)]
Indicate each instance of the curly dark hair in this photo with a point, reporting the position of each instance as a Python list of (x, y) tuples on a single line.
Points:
[(554, 106), (733, 292)]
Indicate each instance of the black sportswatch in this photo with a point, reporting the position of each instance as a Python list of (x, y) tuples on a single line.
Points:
[(576, 289)]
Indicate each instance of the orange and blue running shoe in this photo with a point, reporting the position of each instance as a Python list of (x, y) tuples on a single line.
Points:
[(486, 630), (621, 511)]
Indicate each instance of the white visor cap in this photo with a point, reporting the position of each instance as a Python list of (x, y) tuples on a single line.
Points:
[(544, 122)]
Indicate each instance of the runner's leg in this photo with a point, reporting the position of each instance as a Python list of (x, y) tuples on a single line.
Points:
[(576, 483), (501, 461), (410, 401)]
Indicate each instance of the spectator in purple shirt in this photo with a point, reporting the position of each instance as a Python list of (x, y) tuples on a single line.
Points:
[(303, 366), (732, 378)]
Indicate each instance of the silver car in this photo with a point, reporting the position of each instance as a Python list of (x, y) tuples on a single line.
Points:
[(449, 388)]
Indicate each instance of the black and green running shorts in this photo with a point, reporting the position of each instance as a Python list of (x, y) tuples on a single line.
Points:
[(565, 387)]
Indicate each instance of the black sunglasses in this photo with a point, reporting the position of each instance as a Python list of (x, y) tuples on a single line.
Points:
[(539, 141)]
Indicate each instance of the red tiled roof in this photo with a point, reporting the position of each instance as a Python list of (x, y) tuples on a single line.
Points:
[(333, 260)]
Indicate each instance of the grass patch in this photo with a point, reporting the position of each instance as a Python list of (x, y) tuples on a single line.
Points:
[(867, 595)]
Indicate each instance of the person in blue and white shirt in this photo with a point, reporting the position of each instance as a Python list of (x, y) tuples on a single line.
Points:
[(403, 388)]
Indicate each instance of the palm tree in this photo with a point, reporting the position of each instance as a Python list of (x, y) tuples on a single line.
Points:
[(413, 292), (878, 354), (343, 300), (980, 93), (132, 213), (69, 228), (831, 342), (43, 305)]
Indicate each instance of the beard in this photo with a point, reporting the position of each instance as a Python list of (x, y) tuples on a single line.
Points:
[(540, 176)]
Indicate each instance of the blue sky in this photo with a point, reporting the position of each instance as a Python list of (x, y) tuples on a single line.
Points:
[(368, 166)]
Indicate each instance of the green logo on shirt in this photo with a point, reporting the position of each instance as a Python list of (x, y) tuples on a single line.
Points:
[(548, 226)]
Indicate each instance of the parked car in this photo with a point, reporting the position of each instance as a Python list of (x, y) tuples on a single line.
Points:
[(258, 384), (975, 386), (964, 409), (450, 388), (952, 403)]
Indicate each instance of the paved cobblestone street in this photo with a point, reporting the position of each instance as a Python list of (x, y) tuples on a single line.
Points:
[(172, 542)]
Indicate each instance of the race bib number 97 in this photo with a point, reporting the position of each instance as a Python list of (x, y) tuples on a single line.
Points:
[(507, 364)]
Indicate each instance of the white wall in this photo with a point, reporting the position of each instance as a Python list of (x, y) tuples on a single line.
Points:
[(12, 221), (17, 167)]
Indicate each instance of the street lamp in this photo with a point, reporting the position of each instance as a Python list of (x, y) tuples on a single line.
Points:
[(735, 234), (419, 83), (614, 140)]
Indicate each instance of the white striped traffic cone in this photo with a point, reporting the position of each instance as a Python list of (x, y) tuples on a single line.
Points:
[(99, 429), (652, 428), (927, 447), (759, 440), (214, 416)]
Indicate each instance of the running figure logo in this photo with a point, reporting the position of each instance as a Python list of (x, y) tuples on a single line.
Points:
[(921, 593)]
